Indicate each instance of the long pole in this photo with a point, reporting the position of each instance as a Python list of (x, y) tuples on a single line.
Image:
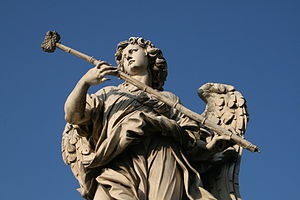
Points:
[(193, 115)]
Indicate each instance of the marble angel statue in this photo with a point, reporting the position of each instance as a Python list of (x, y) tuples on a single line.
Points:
[(122, 143)]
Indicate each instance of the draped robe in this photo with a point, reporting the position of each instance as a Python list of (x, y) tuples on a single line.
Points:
[(140, 147)]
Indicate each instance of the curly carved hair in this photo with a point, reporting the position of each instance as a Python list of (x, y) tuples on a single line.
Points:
[(157, 63)]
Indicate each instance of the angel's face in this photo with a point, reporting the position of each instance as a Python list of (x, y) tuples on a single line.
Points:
[(135, 60)]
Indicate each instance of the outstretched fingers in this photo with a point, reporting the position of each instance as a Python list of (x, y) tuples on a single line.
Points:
[(103, 69), (106, 70), (99, 65), (222, 137), (216, 142), (97, 74)]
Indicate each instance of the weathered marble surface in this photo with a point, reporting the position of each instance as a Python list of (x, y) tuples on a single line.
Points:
[(122, 143)]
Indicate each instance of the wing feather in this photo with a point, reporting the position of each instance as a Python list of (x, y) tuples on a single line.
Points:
[(77, 153)]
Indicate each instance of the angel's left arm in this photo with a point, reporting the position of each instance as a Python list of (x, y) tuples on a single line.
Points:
[(192, 137)]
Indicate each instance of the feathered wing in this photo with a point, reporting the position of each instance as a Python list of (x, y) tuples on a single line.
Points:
[(77, 152), (226, 107)]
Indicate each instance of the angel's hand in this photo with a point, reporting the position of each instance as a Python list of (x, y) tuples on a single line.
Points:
[(217, 143), (97, 74), (228, 154)]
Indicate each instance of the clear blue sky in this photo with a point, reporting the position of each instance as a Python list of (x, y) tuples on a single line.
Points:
[(253, 45)]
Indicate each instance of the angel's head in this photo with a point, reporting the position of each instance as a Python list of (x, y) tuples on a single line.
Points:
[(142, 53)]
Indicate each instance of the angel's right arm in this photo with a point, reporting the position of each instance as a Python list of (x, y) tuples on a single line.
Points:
[(75, 106), (75, 112)]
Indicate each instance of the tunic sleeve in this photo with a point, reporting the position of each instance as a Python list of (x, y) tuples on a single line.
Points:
[(92, 123)]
